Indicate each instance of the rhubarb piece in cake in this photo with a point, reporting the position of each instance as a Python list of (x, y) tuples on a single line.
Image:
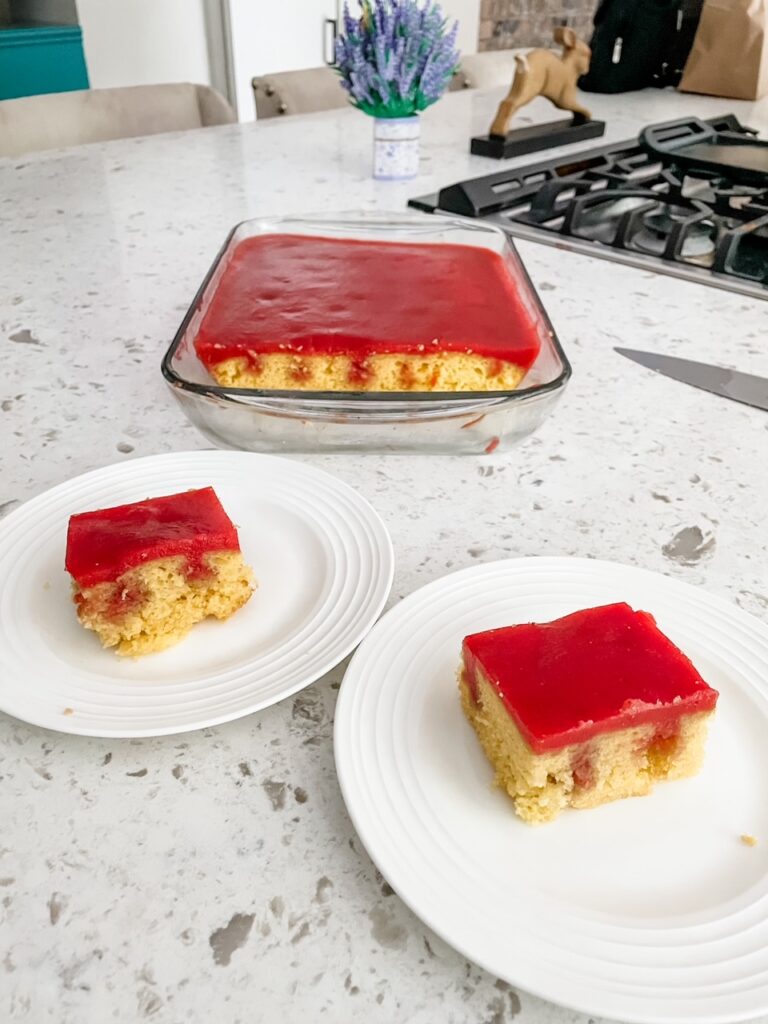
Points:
[(329, 314), (592, 707), (143, 574)]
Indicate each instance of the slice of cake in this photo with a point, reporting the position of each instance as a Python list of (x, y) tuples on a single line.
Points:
[(330, 314), (589, 708), (145, 573)]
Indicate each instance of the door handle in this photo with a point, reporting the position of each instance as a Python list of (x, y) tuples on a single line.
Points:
[(330, 31)]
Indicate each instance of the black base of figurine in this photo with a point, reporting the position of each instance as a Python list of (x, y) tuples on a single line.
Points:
[(538, 136)]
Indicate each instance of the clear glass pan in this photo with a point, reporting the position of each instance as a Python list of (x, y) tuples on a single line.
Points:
[(409, 421)]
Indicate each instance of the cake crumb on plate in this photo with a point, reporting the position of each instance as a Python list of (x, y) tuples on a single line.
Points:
[(747, 839)]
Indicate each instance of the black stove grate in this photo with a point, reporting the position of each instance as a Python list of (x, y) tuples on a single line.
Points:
[(627, 203)]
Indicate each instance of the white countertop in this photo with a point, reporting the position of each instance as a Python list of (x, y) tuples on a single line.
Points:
[(215, 876)]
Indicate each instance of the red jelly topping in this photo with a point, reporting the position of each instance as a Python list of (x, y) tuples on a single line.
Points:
[(331, 296), (102, 545), (591, 672)]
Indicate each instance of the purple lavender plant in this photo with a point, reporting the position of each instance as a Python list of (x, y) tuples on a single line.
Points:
[(398, 58)]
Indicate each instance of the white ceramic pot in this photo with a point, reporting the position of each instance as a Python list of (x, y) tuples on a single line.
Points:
[(396, 147)]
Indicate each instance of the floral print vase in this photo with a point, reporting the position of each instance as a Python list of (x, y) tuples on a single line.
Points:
[(396, 147)]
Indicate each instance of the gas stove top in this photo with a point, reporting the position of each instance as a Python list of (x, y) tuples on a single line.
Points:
[(669, 201)]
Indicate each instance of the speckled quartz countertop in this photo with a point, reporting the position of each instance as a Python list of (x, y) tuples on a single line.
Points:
[(215, 876)]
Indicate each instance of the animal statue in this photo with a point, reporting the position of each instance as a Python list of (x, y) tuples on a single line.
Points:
[(543, 73)]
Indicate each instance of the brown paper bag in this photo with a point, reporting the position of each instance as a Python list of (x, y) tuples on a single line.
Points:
[(729, 56)]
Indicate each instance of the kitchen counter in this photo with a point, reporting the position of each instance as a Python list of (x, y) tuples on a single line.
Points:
[(215, 876)]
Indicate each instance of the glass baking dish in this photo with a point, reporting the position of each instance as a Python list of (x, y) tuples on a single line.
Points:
[(452, 423)]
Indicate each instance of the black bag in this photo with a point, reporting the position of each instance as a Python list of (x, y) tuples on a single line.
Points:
[(640, 43)]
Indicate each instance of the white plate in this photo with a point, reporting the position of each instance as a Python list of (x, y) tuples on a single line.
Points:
[(321, 555), (647, 910)]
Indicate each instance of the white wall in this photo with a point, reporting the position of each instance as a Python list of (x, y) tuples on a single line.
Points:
[(467, 13), (144, 42)]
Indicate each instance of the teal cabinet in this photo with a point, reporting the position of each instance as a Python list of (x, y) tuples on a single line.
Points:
[(40, 59)]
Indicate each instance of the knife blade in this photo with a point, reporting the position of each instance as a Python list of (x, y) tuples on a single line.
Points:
[(740, 387)]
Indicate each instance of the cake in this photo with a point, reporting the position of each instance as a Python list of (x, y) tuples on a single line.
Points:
[(595, 706), (143, 574), (291, 312)]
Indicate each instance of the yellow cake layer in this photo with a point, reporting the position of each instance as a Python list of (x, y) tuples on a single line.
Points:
[(623, 763), (155, 605), (443, 371)]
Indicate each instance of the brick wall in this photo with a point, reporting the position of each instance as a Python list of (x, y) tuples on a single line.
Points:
[(508, 23)]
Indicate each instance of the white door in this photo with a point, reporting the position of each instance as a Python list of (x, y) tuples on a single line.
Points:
[(277, 35)]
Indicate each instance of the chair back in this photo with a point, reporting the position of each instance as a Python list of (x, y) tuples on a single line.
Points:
[(298, 92), (490, 70), (98, 115)]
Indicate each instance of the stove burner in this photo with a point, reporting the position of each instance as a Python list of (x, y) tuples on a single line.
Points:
[(665, 218), (699, 234), (601, 220), (626, 203)]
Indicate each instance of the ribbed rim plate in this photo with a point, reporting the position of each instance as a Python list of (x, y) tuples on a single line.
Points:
[(648, 910), (321, 555)]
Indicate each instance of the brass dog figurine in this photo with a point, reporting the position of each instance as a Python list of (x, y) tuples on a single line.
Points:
[(543, 73)]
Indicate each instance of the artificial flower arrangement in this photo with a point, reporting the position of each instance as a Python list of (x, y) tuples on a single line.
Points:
[(395, 60)]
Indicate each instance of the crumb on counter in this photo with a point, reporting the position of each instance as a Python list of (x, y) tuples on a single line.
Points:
[(68, 711), (747, 839)]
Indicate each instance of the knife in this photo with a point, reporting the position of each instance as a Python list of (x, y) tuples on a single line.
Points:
[(741, 387)]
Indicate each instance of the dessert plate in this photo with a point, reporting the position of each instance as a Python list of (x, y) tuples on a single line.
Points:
[(648, 910), (321, 555)]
